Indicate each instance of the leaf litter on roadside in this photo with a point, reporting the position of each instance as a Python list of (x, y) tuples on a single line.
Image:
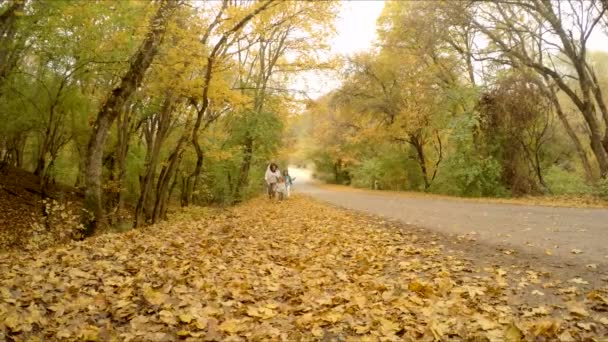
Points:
[(297, 270)]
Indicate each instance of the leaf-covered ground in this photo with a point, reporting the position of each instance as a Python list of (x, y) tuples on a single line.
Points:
[(296, 270)]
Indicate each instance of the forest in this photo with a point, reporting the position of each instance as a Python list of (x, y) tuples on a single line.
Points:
[(143, 104), (470, 98), (135, 138)]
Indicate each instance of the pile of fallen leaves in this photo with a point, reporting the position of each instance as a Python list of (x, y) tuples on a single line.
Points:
[(33, 217), (296, 270)]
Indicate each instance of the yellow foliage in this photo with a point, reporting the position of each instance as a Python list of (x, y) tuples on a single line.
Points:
[(300, 270)]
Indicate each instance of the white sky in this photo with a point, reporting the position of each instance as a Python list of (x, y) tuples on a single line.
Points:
[(356, 25), (355, 31)]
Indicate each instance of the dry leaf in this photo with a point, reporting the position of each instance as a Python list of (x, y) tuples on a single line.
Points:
[(232, 326), (577, 309)]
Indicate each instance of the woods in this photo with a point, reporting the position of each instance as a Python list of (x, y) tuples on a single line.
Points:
[(141, 104), (148, 151), (144, 104), (470, 98)]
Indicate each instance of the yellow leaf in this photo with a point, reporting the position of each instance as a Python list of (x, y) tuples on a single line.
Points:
[(152, 296), (201, 323), (89, 333), (186, 318), (578, 281), (253, 312), (577, 309), (317, 331), (232, 326), (388, 327), (359, 300), (566, 337), (513, 334), (331, 316), (183, 333), (13, 322), (167, 317)]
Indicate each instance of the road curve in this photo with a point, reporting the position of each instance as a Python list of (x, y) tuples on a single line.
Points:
[(571, 234)]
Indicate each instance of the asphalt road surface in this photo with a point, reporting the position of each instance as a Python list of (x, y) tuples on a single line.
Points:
[(569, 235)]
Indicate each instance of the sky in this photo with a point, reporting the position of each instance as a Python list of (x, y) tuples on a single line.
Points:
[(355, 31), (356, 25)]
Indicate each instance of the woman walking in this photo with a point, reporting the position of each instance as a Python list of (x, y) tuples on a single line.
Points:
[(272, 176)]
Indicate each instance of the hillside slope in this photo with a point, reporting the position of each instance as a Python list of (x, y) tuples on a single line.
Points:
[(21, 203)]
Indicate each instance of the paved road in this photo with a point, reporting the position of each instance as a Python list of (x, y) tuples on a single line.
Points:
[(533, 229)]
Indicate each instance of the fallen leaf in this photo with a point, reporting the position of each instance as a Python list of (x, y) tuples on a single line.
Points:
[(388, 327), (578, 281), (167, 317), (513, 334), (186, 318), (585, 326), (566, 337), (231, 326), (577, 309)]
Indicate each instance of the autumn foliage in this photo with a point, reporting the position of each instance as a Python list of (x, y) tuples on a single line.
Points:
[(297, 270)]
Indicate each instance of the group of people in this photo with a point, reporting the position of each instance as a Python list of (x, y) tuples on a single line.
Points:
[(279, 183)]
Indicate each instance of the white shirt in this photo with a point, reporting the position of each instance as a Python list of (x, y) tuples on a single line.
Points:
[(271, 177)]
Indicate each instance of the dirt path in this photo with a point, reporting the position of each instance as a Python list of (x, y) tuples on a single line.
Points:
[(552, 235)]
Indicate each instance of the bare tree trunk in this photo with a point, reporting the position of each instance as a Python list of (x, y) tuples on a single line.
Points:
[(109, 110), (124, 131), (245, 165), (580, 150), (157, 130), (164, 180), (421, 159), (8, 56)]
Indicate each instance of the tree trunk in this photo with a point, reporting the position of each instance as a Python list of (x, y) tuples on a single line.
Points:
[(580, 150), (8, 18), (162, 189), (109, 110), (421, 159), (245, 165), (158, 128), (124, 131)]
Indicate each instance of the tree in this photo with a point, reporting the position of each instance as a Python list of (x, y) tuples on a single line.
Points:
[(109, 111), (544, 26)]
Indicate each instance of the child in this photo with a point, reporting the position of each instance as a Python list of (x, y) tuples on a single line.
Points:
[(288, 182), (280, 188)]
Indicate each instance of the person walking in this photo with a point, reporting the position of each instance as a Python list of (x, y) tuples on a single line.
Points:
[(271, 177)]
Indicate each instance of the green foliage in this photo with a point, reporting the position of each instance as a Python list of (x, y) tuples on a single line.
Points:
[(602, 188), (562, 182), (467, 172), (224, 154)]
